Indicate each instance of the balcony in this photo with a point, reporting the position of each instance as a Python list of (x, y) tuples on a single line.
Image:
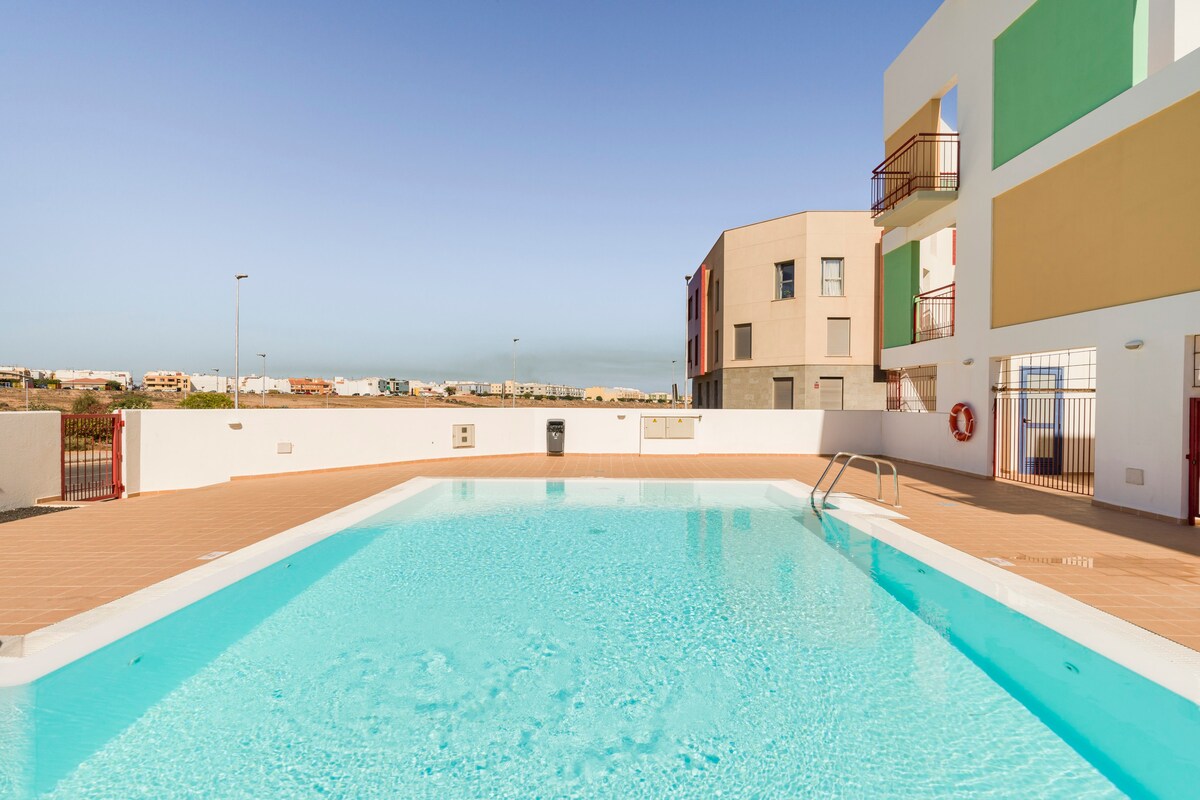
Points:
[(933, 314), (916, 180)]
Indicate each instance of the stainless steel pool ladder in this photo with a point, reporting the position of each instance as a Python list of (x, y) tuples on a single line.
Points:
[(851, 457)]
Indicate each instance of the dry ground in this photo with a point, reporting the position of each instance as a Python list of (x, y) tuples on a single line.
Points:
[(61, 400)]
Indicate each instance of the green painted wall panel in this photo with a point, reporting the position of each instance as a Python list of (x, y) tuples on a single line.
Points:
[(1060, 60), (901, 283)]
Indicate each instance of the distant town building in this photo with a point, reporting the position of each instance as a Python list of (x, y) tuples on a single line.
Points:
[(166, 382), (203, 382), (13, 377), (94, 384), (659, 397), (394, 386), (468, 387), (318, 386), (257, 384), (356, 387), (556, 390), (610, 393), (66, 375)]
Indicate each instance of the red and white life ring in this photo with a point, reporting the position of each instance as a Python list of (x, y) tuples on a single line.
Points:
[(964, 433)]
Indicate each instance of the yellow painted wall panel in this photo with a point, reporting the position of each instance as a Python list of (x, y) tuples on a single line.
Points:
[(924, 121), (1116, 224)]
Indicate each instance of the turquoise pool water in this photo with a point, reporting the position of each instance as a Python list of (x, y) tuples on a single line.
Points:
[(532, 639)]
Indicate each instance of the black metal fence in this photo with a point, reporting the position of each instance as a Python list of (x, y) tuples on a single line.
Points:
[(1047, 437)]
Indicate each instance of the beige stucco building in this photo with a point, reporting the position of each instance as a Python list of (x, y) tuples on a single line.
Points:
[(782, 314)]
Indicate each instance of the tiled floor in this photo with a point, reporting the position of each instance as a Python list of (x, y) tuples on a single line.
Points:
[(1146, 571)]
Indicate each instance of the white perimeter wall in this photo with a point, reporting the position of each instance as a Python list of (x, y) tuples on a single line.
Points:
[(177, 449), (29, 457)]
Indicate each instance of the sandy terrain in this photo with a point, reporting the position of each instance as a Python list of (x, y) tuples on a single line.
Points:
[(61, 400)]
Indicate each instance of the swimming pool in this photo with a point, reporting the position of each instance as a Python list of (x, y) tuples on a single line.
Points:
[(589, 638)]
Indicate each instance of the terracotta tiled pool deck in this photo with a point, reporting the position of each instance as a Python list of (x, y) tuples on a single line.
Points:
[(1146, 571)]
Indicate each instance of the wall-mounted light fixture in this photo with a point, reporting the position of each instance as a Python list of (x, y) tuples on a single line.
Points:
[(968, 362), (1134, 344)]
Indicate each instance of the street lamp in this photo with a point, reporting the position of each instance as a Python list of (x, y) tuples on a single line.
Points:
[(263, 356), (216, 379), (686, 334), (237, 312), (514, 398)]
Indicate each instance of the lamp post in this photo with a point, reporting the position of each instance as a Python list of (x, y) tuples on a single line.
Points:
[(686, 331), (216, 377), (237, 312), (514, 397), (263, 356)]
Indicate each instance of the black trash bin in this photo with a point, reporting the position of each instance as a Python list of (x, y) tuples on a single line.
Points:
[(556, 436)]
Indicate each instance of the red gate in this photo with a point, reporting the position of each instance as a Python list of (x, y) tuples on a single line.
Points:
[(1193, 458), (91, 456)]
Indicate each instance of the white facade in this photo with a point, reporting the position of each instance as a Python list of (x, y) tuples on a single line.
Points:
[(256, 384), (364, 387), (123, 378), (203, 382), (1142, 393)]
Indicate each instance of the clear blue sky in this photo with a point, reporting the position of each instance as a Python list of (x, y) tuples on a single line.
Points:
[(410, 186)]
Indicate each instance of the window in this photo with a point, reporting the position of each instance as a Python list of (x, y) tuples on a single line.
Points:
[(783, 393), (837, 342), (717, 297), (912, 389), (717, 346), (1196, 361), (741, 342), (831, 393), (785, 280), (690, 308), (833, 277)]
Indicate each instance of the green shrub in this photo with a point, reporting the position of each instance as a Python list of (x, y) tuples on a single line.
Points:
[(89, 402), (131, 400), (207, 400)]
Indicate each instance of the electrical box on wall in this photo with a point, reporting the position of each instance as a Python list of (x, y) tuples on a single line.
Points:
[(681, 427), (464, 436), (654, 427)]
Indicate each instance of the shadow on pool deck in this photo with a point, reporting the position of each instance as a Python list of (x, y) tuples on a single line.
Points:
[(1144, 570)]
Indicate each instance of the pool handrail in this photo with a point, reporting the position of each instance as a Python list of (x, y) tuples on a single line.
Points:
[(851, 457)]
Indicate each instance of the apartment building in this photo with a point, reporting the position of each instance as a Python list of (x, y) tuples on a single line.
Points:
[(782, 314), (318, 386), (163, 381), (1066, 316)]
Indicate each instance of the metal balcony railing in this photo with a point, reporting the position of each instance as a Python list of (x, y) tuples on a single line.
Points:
[(933, 314), (926, 161)]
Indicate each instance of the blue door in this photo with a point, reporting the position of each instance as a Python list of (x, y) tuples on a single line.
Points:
[(1040, 441)]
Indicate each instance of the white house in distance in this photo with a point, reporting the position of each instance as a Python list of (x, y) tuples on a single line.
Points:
[(86, 376), (362, 387)]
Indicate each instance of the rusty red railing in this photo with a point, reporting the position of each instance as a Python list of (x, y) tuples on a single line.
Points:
[(933, 314), (926, 161), (91, 456)]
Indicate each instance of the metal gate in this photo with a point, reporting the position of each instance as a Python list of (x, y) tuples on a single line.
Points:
[(91, 456), (1045, 434), (1193, 458)]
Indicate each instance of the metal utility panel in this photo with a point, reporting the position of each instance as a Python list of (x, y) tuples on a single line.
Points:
[(681, 427), (464, 436), (654, 427)]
